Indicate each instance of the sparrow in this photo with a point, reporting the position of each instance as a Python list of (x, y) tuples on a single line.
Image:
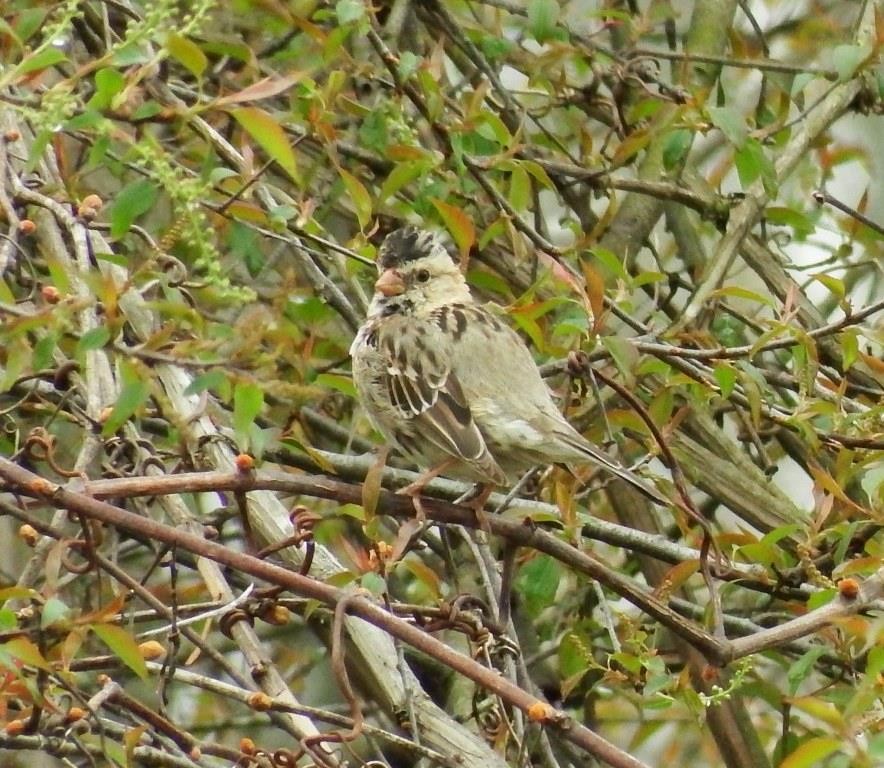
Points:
[(449, 384)]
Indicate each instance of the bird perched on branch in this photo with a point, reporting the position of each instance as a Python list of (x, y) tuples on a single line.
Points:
[(450, 384)]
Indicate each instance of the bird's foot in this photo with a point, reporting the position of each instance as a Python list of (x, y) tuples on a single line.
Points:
[(414, 493), (415, 489), (476, 499)]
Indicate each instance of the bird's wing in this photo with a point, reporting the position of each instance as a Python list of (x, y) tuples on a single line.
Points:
[(423, 388)]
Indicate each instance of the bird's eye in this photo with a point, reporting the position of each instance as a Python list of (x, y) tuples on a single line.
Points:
[(423, 275)]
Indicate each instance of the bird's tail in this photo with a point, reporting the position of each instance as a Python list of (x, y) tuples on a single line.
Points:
[(612, 467)]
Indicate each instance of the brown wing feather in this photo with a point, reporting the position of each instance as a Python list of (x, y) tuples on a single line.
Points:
[(423, 388)]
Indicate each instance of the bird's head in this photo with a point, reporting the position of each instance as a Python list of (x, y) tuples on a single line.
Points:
[(417, 271)]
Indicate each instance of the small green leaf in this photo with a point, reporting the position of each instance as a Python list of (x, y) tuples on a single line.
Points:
[(132, 396), (349, 10), (43, 351), (542, 18), (270, 136), (739, 292), (54, 613), (373, 132), (628, 661), (336, 381), (402, 174), (48, 57), (95, 338), (8, 619), (131, 202), (359, 197), (801, 225), (612, 263), (835, 285), (812, 752), (726, 377), (27, 22), (188, 53), (801, 669), (537, 582), (248, 399), (752, 163), (730, 122), (520, 189), (493, 128), (458, 224), (26, 652), (676, 146), (123, 646), (215, 379), (849, 347), (821, 598), (847, 59), (374, 583), (624, 355), (574, 656), (108, 83), (408, 64)]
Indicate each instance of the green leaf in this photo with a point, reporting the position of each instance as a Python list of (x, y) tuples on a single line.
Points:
[(408, 64), (209, 380), (849, 347), (538, 582), (801, 669), (123, 646), (801, 225), (248, 399), (494, 47), (752, 163), (43, 351), (8, 619), (374, 583), (730, 122), (402, 174), (95, 338), (743, 293), (308, 309), (458, 224), (54, 613), (338, 382), (359, 196), (270, 136), (542, 18), (187, 53), (349, 10), (26, 652), (48, 57), (812, 752), (493, 128), (835, 285), (624, 355), (628, 661), (847, 59), (373, 133), (28, 21), (613, 264), (132, 396), (131, 202), (676, 146), (108, 83), (821, 598), (520, 189), (574, 656)]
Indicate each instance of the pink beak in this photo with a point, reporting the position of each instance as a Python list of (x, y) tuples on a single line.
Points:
[(390, 283)]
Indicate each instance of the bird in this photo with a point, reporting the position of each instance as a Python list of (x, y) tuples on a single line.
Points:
[(450, 384)]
